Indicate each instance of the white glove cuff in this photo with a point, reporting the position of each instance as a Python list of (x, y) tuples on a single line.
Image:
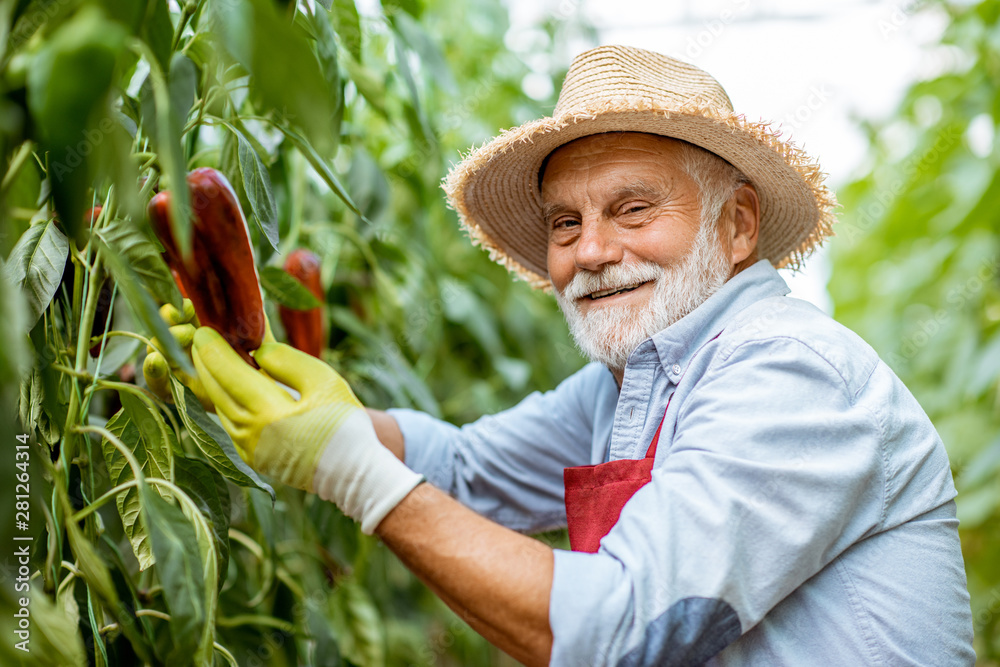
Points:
[(367, 481)]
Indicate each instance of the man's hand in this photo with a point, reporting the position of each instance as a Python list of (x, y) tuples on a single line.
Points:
[(322, 442)]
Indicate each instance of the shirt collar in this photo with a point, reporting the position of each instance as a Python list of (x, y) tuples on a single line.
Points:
[(676, 344)]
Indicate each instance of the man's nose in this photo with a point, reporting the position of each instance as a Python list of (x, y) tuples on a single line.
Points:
[(597, 246)]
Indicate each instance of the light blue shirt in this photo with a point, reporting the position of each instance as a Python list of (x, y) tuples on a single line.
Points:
[(801, 509)]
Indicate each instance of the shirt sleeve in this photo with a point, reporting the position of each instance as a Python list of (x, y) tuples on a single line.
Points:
[(772, 473), (508, 466)]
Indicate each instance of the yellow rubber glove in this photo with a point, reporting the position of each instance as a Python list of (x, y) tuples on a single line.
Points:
[(157, 370), (323, 441)]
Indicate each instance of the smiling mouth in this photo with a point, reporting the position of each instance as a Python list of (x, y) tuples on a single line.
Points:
[(594, 296)]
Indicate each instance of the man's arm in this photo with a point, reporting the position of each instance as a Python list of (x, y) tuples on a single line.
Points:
[(387, 430), (508, 467), (497, 580)]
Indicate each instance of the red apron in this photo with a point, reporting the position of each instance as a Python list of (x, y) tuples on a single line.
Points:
[(595, 495)]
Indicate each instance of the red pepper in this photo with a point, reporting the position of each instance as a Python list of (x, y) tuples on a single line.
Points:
[(305, 328), (220, 276)]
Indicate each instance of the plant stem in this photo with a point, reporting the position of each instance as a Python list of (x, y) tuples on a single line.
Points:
[(105, 497), (186, 11), (119, 445), (82, 339), (73, 372), (16, 163), (151, 399), (152, 612), (144, 394), (127, 334), (251, 619)]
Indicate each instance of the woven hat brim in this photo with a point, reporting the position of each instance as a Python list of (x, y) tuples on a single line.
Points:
[(494, 189)]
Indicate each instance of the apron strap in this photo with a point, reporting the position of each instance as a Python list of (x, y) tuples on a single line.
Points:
[(651, 451)]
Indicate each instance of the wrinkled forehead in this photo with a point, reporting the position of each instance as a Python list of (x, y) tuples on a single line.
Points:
[(611, 147)]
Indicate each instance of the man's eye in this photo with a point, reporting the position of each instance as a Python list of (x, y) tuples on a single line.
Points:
[(635, 208), (563, 223)]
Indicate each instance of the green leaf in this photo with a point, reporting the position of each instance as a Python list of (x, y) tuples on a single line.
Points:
[(183, 83), (201, 49), (412, 7), (15, 358), (326, 54), (157, 438), (286, 290), (68, 81), (421, 127), (143, 307), (166, 101), (95, 571), (36, 266), (55, 634), (368, 84), (120, 472), (285, 75), (158, 31), (360, 632), (207, 488), (430, 54), (30, 403), (368, 184), (257, 184), (139, 251), (213, 441), (181, 572), (322, 168), (348, 24)]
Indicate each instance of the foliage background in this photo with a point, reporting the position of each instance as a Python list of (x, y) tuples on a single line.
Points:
[(418, 317), (916, 265), (353, 120)]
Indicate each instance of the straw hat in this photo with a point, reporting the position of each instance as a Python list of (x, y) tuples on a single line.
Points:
[(495, 188)]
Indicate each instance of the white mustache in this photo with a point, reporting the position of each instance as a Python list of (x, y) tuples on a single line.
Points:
[(613, 276)]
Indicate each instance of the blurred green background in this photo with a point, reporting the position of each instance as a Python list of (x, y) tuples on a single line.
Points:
[(418, 316)]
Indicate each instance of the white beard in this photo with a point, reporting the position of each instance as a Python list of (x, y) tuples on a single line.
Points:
[(609, 333)]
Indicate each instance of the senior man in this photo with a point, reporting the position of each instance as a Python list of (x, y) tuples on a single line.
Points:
[(744, 481)]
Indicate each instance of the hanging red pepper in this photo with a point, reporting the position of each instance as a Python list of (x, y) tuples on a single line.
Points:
[(220, 276), (305, 328)]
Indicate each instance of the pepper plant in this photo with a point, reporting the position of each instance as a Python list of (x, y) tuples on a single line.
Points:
[(148, 540)]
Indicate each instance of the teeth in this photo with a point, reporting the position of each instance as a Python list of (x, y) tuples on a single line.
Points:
[(616, 290)]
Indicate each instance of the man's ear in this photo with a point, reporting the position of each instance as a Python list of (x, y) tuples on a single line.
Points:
[(743, 213)]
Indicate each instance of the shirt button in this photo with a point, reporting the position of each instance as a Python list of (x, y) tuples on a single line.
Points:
[(675, 369)]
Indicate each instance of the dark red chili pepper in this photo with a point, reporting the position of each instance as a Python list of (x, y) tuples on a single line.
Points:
[(304, 328), (220, 276)]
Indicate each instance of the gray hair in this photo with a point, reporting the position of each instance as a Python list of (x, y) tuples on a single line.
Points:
[(716, 179)]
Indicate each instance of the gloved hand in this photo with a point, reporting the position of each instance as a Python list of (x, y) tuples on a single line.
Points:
[(156, 369), (323, 442)]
